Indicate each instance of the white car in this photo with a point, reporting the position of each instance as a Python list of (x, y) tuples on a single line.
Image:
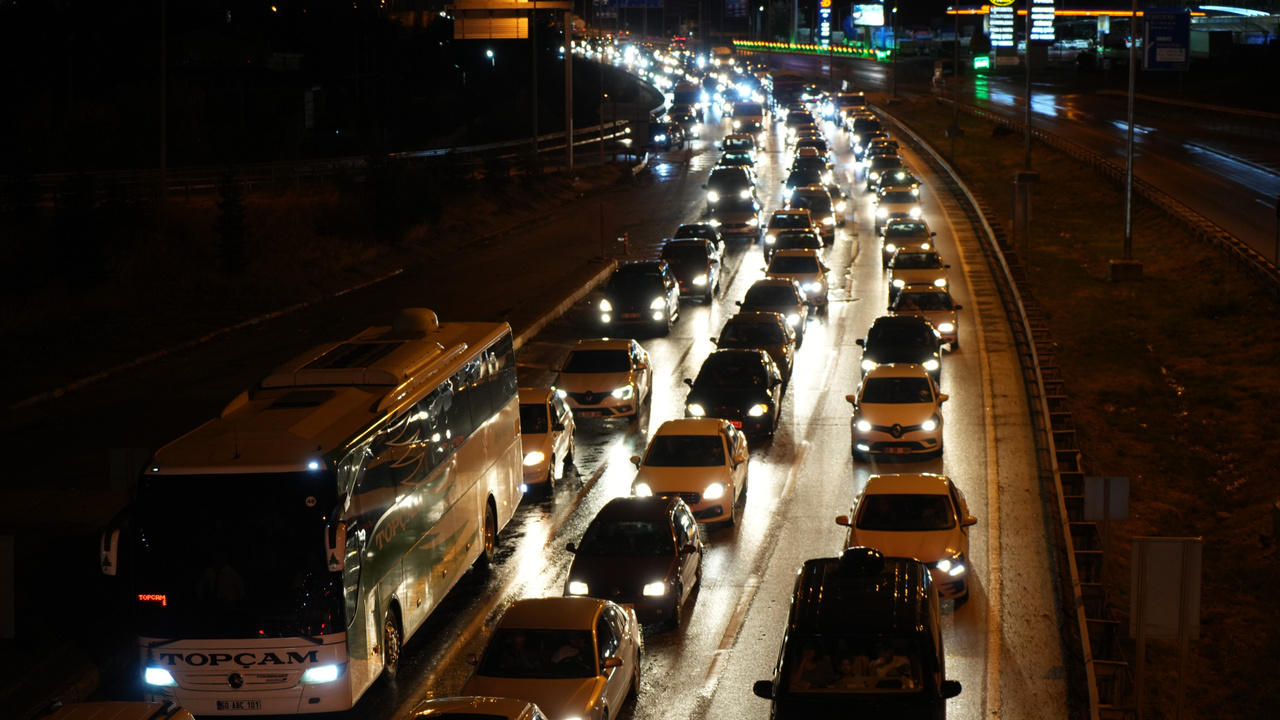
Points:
[(897, 204), (897, 412), (934, 304), (575, 657), (703, 460), (806, 268), (546, 437), (605, 378), (922, 516), (482, 708)]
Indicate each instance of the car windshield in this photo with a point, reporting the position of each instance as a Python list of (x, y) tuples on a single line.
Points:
[(736, 179), (635, 283), (905, 513), (734, 203), (685, 252), (685, 451), (798, 240), (898, 196), (754, 333), (862, 125), (814, 203), (916, 261), (738, 144), (806, 163), (539, 653), (804, 176), (880, 162), (906, 229), (899, 335), (747, 109), (533, 418), (598, 361), (790, 220), (896, 391), (923, 301), (731, 371), (839, 663), (770, 296), (786, 265), (631, 538), (736, 158)]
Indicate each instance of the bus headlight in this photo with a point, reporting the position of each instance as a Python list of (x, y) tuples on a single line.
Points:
[(577, 587), (534, 458), (321, 674), (159, 677), (655, 588)]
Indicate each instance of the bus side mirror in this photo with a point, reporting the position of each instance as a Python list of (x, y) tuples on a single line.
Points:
[(109, 551), (335, 546)]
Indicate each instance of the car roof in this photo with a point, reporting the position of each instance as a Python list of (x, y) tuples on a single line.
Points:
[(552, 612), (792, 211), (621, 509), (472, 705), (602, 344), (700, 241), (831, 598), (534, 396), (896, 370), (691, 426), (908, 484)]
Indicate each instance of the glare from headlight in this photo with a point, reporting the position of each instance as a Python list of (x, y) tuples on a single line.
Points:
[(577, 587), (915, 212), (828, 221), (713, 196), (946, 327), (758, 409), (642, 490), (713, 222), (752, 222), (696, 410), (793, 319), (158, 676), (890, 247), (655, 588), (714, 491), (606, 306), (658, 304), (899, 283), (943, 565), (770, 238), (882, 212), (811, 287), (929, 425), (534, 458), (930, 364), (561, 393), (956, 570), (321, 674), (869, 365), (864, 426), (840, 206), (626, 392), (940, 282), (745, 194), (700, 280)]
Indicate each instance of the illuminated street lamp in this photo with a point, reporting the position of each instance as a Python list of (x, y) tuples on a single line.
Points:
[(489, 54)]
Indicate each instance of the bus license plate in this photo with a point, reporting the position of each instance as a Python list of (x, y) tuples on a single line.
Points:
[(239, 704)]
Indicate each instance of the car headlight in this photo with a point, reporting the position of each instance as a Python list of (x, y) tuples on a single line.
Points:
[(915, 191), (696, 410), (793, 319), (863, 425), (770, 239), (700, 280), (840, 206), (737, 124), (882, 212), (158, 676), (626, 392), (713, 196), (930, 364), (321, 674), (915, 212), (606, 306), (745, 194), (951, 566), (890, 247), (758, 409), (811, 287), (661, 138), (577, 587), (713, 222), (655, 588), (899, 283), (642, 490), (940, 282), (930, 425), (714, 491), (561, 393), (946, 327), (753, 222), (534, 458), (828, 220), (869, 365), (658, 304), (874, 175)]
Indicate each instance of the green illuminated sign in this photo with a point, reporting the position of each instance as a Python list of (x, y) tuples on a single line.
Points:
[(981, 62)]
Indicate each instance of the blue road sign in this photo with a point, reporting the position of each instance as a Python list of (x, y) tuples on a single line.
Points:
[(1166, 39)]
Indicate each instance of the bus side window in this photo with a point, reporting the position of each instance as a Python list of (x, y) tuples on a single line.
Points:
[(458, 424), (433, 424), (504, 369)]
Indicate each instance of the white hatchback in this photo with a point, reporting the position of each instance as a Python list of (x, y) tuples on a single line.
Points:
[(703, 460), (897, 412), (546, 437), (605, 378)]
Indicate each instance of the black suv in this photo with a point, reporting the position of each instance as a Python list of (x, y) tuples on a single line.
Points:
[(902, 339), (641, 293)]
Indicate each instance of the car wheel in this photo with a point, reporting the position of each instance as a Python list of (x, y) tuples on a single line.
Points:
[(489, 539), (568, 459), (391, 644), (550, 483)]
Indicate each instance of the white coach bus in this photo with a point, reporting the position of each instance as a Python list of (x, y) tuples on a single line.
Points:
[(283, 552)]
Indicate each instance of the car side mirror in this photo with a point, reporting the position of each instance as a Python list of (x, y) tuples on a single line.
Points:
[(715, 341), (958, 307), (635, 460), (942, 397), (611, 662), (689, 548), (704, 186), (473, 659), (738, 303), (558, 426), (862, 342), (934, 234), (571, 547), (764, 689), (851, 399), (950, 689), (688, 382), (948, 267)]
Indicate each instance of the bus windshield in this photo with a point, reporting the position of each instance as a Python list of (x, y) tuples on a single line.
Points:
[(235, 556)]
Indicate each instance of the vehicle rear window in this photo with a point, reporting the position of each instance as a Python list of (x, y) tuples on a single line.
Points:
[(838, 663)]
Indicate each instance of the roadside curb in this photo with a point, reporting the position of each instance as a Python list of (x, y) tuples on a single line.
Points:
[(563, 307)]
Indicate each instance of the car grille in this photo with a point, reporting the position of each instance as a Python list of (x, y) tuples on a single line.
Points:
[(691, 498), (588, 397), (896, 431)]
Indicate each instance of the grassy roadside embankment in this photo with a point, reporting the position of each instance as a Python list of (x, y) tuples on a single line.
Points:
[(1173, 383)]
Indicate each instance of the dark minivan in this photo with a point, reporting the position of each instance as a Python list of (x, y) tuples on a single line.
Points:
[(863, 639)]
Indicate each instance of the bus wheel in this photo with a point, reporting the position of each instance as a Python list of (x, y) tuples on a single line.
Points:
[(391, 643), (490, 538)]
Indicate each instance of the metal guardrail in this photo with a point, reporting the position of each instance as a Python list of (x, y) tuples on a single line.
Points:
[(1056, 453)]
